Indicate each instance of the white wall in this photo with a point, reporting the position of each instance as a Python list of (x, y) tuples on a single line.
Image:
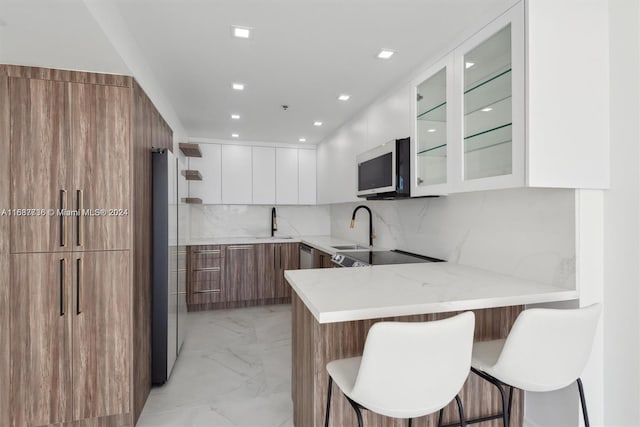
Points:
[(255, 221), (526, 233)]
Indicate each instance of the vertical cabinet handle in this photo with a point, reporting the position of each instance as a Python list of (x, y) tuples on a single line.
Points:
[(80, 206), (63, 228), (280, 257), (63, 264), (78, 286), (274, 257)]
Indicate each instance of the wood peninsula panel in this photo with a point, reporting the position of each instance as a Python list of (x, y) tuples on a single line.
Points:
[(39, 73), (5, 179), (40, 339), (315, 344), (122, 420), (100, 133), (39, 137), (101, 339)]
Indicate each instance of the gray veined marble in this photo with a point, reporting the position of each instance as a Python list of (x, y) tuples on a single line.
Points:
[(234, 370)]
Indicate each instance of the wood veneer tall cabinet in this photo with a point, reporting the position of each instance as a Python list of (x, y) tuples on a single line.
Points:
[(75, 288)]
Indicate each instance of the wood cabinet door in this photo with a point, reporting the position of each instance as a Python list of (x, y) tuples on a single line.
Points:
[(40, 306), (289, 260), (101, 314), (40, 178), (267, 269), (240, 269), (99, 119)]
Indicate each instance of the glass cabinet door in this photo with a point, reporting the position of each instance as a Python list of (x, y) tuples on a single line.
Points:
[(431, 130), (487, 108)]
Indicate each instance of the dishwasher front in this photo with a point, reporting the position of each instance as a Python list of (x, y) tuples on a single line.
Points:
[(306, 256)]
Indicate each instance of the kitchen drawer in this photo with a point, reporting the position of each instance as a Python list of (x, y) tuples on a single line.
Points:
[(206, 257)]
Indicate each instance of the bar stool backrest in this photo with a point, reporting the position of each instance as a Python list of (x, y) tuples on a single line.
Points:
[(410, 369), (547, 349)]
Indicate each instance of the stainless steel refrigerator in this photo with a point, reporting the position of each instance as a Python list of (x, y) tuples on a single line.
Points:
[(169, 312)]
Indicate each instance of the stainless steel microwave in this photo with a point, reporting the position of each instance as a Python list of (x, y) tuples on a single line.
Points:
[(384, 171)]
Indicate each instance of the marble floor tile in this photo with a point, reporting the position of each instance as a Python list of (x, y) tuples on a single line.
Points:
[(234, 370)]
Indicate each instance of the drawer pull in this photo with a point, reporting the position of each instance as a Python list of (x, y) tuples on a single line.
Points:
[(63, 222), (209, 291), (207, 251), (207, 269), (238, 248)]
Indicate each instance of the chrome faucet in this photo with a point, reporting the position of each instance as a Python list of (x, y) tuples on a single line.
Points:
[(353, 222), (274, 224)]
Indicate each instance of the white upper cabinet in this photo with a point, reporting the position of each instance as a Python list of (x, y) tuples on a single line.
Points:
[(287, 176), (264, 175), (489, 94), (306, 177), (514, 105), (210, 167), (431, 165), (236, 175)]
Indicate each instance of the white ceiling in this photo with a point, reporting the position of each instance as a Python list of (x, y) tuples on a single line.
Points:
[(303, 53)]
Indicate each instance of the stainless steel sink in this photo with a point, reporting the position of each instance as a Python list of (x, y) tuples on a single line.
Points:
[(349, 247)]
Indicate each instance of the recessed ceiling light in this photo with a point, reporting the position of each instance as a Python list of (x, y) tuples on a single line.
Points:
[(344, 97), (317, 123), (385, 54), (235, 135), (238, 86), (469, 64), (486, 109), (431, 130), (302, 140), (235, 116), (241, 32)]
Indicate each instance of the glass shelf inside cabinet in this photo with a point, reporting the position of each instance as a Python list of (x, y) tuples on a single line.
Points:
[(431, 129), (488, 107)]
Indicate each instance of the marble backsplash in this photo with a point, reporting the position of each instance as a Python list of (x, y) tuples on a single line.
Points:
[(255, 221), (528, 233)]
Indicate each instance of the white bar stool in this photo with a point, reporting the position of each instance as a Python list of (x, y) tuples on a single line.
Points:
[(545, 350), (407, 369)]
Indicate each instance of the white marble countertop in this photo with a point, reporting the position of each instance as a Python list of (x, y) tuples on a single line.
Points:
[(323, 243), (346, 294)]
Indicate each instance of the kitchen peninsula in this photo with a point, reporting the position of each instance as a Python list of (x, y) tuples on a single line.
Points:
[(331, 318)]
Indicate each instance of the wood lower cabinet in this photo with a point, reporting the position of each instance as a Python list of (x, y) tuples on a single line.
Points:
[(322, 259), (289, 259), (205, 275), (267, 265), (240, 275), (70, 342)]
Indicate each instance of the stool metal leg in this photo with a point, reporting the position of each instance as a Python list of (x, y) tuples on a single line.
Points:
[(583, 403), (498, 384), (440, 417), (510, 402), (326, 415), (356, 408), (410, 422), (463, 423)]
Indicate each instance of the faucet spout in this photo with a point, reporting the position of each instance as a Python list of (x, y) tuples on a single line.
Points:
[(353, 221), (274, 223)]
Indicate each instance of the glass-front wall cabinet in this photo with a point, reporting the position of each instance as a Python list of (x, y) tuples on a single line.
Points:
[(431, 130), (487, 99)]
